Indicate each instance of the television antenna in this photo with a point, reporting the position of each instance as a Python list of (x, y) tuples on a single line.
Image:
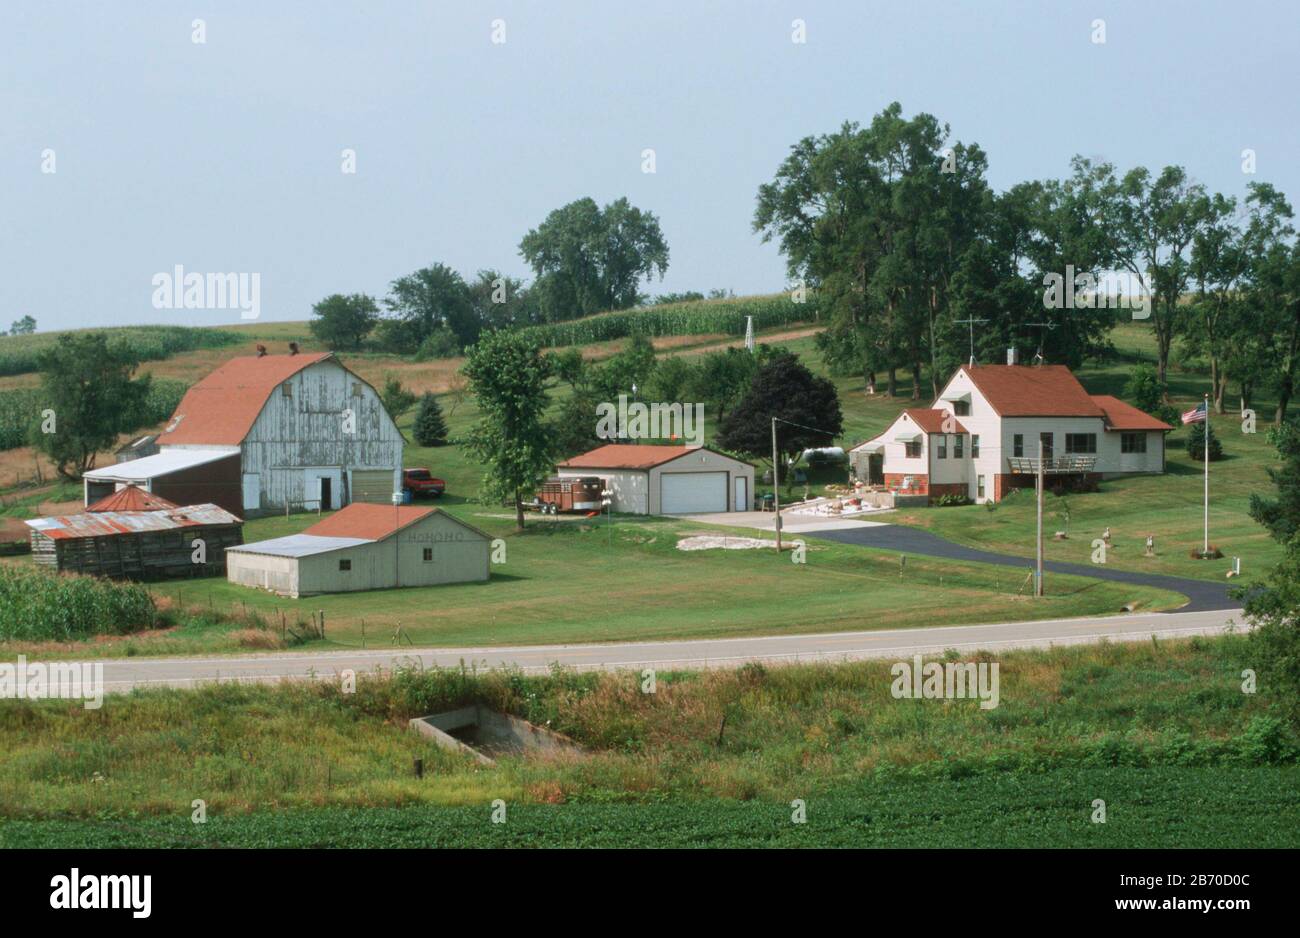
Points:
[(971, 323), (1042, 327)]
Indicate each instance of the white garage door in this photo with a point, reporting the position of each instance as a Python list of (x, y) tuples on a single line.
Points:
[(685, 493)]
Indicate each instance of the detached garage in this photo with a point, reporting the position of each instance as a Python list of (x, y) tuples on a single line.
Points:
[(667, 480), (365, 547)]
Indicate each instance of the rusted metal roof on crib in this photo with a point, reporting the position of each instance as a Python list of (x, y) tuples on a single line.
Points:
[(112, 523)]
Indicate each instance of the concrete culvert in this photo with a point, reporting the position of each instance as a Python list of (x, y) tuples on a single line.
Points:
[(485, 733)]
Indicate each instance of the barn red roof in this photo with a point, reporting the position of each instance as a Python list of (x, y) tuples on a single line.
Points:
[(221, 408), (931, 420), (367, 521), (1032, 391), (627, 456), (131, 498), (1121, 416)]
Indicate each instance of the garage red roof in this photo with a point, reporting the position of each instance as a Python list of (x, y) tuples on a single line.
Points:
[(131, 498), (627, 456), (1032, 391), (1121, 416), (931, 420), (367, 521), (221, 408)]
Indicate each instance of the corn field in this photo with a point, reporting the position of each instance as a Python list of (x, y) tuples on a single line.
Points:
[(36, 605), (705, 317), (21, 354), (20, 408)]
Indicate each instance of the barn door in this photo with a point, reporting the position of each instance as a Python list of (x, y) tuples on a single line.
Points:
[(252, 491)]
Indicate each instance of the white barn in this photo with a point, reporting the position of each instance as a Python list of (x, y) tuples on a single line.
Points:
[(308, 432), (981, 436), (647, 479)]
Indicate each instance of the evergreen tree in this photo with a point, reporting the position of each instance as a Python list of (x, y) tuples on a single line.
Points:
[(1196, 443), (430, 426)]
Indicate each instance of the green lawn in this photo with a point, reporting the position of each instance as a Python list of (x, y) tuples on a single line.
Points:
[(574, 581)]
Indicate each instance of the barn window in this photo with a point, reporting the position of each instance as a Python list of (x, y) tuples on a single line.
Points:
[(287, 389), (428, 554), (345, 565), (356, 388)]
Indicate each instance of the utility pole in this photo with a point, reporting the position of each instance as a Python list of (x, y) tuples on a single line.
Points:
[(1205, 438), (397, 537), (776, 489), (1038, 570), (971, 323)]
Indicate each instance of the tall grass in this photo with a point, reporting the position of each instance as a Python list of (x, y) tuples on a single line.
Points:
[(705, 317), (36, 605)]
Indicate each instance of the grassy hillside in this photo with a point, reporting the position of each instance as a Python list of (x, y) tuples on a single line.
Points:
[(1161, 732)]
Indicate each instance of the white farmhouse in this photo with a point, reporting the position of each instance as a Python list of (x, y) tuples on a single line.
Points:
[(262, 432), (981, 436)]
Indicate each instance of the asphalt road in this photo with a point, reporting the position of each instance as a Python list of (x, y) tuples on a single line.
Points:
[(122, 674), (1203, 595)]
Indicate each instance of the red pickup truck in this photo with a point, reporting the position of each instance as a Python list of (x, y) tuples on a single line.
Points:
[(421, 483)]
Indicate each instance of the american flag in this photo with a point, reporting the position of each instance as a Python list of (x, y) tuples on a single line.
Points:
[(1196, 414)]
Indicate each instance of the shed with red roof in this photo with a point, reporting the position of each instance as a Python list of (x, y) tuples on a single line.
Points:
[(365, 547)]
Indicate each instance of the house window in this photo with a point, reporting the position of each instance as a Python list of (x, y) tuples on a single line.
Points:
[(1046, 440), (1018, 445), (428, 554), (1133, 443), (961, 408), (345, 566), (912, 449), (941, 447), (958, 444), (287, 389), (1081, 442), (974, 446), (979, 486)]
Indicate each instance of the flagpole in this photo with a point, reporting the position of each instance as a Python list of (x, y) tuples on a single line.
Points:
[(1205, 437)]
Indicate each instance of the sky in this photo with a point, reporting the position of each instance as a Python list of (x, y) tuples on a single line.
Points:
[(227, 155)]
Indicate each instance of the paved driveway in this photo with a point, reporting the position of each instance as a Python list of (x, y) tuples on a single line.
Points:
[(1202, 594)]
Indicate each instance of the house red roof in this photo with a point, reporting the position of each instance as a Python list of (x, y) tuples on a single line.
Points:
[(627, 456), (131, 498), (221, 408), (931, 420), (1033, 391), (371, 522), (1121, 416)]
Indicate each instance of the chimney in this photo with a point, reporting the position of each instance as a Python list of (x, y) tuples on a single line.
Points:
[(293, 348), (1013, 356)]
